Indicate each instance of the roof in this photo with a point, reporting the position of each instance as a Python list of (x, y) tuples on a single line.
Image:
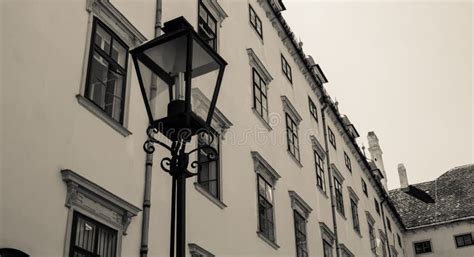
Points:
[(448, 198)]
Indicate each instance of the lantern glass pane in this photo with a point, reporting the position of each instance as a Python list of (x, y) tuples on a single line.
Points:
[(170, 56), (205, 73), (157, 91)]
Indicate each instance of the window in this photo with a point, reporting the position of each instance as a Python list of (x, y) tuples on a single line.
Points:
[(265, 209), (312, 109), (327, 249), (107, 72), (91, 238), (332, 138), (423, 247), (464, 240), (389, 224), (207, 28), (347, 160), (364, 187), (339, 198), (373, 245), (377, 206), (300, 235), (384, 247), (319, 171), (255, 22), (292, 137), (260, 103), (399, 240), (355, 216), (208, 175), (285, 67)]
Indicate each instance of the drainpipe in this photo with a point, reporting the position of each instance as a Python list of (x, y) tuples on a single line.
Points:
[(333, 202), (149, 159), (384, 225)]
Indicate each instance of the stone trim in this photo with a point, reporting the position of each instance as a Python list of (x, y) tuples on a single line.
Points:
[(195, 249), (211, 198), (89, 196), (299, 205), (318, 147), (346, 250), (337, 173), (352, 194), (86, 103), (370, 218), (383, 236), (116, 21), (220, 123), (216, 10), (326, 233), (256, 63), (290, 109), (262, 167)]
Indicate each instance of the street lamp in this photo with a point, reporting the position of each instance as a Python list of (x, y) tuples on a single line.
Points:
[(169, 68)]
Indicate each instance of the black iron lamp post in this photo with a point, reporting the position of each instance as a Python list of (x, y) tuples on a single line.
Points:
[(169, 69)]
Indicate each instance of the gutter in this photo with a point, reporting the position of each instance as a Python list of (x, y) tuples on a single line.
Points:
[(149, 160), (328, 161)]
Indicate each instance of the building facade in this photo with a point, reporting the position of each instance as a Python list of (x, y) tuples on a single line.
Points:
[(439, 214), (291, 179)]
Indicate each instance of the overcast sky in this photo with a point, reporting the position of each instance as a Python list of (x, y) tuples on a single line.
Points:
[(402, 69)]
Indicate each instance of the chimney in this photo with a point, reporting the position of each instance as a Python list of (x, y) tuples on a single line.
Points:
[(376, 154), (402, 173)]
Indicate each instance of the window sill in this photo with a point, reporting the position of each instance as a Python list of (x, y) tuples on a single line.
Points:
[(86, 103), (322, 192), (358, 233), (342, 214), (264, 122), (294, 159), (268, 241), (256, 33), (211, 198)]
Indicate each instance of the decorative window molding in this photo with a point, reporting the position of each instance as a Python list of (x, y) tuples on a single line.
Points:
[(370, 219), (317, 146), (326, 233), (87, 196), (220, 123), (256, 63), (393, 250), (216, 10), (263, 168), (290, 109), (111, 16), (299, 205), (197, 251), (337, 173), (345, 251), (352, 194), (383, 236)]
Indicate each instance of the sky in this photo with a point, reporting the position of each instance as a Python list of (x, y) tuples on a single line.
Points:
[(402, 69)]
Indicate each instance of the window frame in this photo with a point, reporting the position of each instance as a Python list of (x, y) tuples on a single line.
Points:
[(347, 161), (313, 110), (319, 166), (339, 196), (364, 187), (332, 138), (327, 246), (355, 216), (217, 145), (97, 224), (255, 86), (464, 240), (257, 22), (270, 235), (300, 233), (206, 30), (286, 69), (377, 206), (389, 224), (429, 248), (93, 48), (292, 131), (372, 237)]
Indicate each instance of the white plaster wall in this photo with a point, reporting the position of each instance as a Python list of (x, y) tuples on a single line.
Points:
[(1, 119), (442, 240), (46, 130)]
